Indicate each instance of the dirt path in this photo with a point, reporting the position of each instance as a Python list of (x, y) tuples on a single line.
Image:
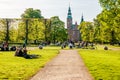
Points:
[(66, 66)]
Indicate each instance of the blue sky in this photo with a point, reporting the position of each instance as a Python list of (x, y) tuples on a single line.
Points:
[(49, 8)]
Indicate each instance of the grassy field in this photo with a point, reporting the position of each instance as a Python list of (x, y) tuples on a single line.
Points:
[(19, 68), (103, 64)]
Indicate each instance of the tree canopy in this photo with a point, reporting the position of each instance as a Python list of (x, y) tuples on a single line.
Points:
[(33, 27), (32, 13), (107, 23)]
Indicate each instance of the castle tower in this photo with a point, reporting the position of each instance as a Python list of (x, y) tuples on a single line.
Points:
[(69, 23), (73, 32), (69, 19)]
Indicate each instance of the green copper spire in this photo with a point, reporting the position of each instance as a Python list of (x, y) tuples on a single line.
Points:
[(69, 13), (82, 19)]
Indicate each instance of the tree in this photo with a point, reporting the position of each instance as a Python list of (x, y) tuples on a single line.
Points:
[(47, 31), (87, 31), (32, 13), (109, 4), (108, 21), (8, 30), (29, 17), (34, 31), (58, 32), (2, 30), (13, 31)]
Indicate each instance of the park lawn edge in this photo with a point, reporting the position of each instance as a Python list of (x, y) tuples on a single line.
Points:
[(100, 63)]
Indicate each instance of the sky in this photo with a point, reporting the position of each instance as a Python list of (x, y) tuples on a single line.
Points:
[(89, 8)]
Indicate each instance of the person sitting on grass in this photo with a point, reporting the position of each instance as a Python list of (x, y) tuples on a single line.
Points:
[(25, 55), (18, 52), (4, 46), (22, 52)]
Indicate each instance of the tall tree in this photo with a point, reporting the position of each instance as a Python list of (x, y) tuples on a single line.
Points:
[(47, 24), (29, 15), (108, 21), (58, 32)]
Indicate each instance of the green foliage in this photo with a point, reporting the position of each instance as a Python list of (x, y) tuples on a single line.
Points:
[(109, 4), (21, 31), (107, 22), (58, 31), (12, 30), (33, 28), (47, 30), (103, 65), (109, 26), (32, 13), (2, 30), (87, 31), (13, 34), (4, 23), (19, 68)]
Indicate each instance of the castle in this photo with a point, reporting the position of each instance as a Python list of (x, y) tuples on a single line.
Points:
[(72, 29)]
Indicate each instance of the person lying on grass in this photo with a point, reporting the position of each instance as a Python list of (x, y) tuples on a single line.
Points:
[(22, 52)]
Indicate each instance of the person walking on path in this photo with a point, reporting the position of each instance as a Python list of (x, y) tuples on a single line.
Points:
[(68, 65)]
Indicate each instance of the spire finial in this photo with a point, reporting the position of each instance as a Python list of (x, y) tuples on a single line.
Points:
[(69, 12), (82, 18), (69, 4)]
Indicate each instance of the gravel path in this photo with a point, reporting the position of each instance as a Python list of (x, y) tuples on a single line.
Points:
[(68, 65)]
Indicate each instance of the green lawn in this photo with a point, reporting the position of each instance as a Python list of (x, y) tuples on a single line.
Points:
[(18, 68), (102, 64)]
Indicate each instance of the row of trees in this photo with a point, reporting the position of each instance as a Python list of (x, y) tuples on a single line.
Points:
[(32, 27), (106, 26)]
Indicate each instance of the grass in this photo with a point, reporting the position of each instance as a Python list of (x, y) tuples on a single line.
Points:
[(102, 64), (19, 68)]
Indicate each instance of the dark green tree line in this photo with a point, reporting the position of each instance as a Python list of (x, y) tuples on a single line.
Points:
[(58, 32)]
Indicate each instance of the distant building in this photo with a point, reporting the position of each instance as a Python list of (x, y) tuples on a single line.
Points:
[(73, 31)]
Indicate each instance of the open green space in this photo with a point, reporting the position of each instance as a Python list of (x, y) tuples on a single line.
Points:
[(103, 64), (19, 68)]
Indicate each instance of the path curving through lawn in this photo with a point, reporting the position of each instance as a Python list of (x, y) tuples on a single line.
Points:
[(68, 65)]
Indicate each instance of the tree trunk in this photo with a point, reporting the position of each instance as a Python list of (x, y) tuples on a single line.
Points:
[(7, 30), (26, 36)]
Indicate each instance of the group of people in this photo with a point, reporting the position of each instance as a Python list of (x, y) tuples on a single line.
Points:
[(4, 46), (70, 45), (82, 44), (22, 52)]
